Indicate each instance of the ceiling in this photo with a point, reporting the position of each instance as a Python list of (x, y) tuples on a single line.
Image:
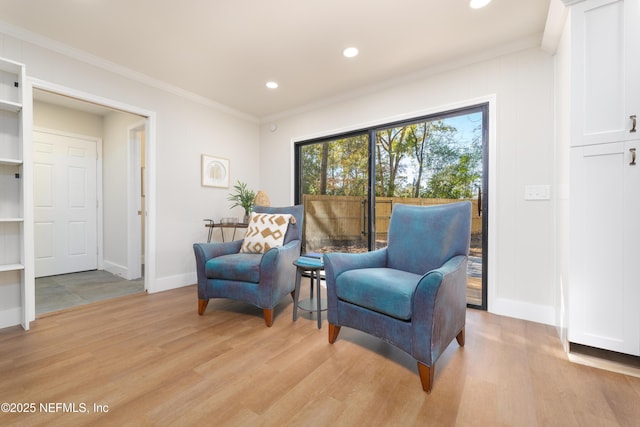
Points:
[(226, 50)]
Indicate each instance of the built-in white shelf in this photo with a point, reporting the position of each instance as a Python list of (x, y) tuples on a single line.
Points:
[(16, 278), (10, 106), (11, 267), (9, 66), (10, 162)]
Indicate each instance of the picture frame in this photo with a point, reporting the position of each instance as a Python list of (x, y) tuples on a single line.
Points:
[(215, 171)]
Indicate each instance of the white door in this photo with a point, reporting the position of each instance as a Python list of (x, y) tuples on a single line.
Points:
[(604, 253), (65, 204)]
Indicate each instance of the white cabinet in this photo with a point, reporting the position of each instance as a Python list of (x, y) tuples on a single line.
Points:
[(605, 50), (605, 250), (604, 245), (13, 279)]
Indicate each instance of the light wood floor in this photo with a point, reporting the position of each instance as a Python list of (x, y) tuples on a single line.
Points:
[(151, 360), (474, 290)]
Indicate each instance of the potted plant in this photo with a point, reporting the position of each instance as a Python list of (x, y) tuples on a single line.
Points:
[(244, 197)]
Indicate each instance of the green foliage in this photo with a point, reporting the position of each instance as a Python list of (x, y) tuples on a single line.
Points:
[(426, 159), (337, 167), (243, 196), (454, 181)]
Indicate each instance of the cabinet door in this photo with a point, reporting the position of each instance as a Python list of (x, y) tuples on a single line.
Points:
[(604, 255), (605, 66)]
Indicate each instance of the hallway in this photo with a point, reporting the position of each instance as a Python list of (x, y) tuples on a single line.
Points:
[(55, 293)]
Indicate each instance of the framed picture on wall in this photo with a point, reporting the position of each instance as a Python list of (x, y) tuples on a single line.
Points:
[(215, 171)]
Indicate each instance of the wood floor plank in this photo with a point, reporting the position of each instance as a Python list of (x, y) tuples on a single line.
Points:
[(152, 360), (479, 403)]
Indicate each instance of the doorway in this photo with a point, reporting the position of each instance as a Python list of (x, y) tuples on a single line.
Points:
[(111, 275)]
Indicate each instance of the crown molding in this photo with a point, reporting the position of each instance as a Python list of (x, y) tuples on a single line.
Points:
[(82, 56), (570, 2), (556, 18), (530, 42)]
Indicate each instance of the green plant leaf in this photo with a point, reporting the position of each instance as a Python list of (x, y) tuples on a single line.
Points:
[(243, 196)]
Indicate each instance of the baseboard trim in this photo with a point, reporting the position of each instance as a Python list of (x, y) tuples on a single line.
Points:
[(523, 310), (173, 282), (117, 269)]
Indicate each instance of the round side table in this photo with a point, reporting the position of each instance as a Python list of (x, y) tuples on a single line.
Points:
[(314, 267)]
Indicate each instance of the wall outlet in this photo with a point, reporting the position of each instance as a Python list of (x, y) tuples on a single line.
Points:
[(537, 192)]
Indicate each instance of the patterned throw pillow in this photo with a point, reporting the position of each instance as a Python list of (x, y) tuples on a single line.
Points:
[(264, 232)]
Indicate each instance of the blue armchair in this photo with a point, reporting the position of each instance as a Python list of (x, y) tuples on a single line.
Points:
[(412, 293), (259, 279)]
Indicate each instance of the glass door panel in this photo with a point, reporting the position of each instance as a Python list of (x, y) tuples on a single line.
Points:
[(334, 179), (430, 162)]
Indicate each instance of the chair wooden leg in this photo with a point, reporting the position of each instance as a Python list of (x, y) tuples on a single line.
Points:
[(460, 337), (334, 330), (268, 316), (202, 306), (426, 376)]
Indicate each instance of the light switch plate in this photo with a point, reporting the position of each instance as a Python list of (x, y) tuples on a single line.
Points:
[(537, 192)]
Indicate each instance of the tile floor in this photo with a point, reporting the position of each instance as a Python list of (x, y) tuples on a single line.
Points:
[(55, 293)]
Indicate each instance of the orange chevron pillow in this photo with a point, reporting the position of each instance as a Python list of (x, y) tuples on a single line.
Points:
[(265, 231)]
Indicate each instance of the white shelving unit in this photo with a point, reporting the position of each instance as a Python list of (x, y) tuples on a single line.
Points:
[(14, 292)]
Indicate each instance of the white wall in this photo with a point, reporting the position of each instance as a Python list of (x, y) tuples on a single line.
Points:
[(56, 117), (186, 127), (115, 166), (521, 274)]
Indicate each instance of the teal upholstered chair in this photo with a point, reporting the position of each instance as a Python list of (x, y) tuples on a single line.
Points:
[(412, 293), (259, 279)]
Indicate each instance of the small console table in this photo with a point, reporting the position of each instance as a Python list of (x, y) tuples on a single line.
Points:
[(314, 266), (211, 224)]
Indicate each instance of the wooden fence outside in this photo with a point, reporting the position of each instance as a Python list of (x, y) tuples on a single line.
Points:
[(339, 221)]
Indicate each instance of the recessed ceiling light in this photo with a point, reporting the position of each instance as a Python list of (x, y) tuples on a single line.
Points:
[(272, 85), (350, 52), (477, 4)]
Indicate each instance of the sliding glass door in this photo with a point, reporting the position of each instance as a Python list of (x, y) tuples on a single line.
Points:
[(349, 183)]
